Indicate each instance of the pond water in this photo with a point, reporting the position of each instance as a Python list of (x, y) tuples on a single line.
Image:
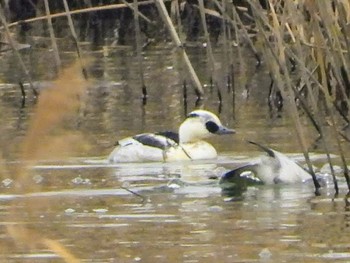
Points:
[(160, 212)]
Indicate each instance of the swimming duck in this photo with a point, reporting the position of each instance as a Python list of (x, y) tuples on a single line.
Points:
[(273, 168), (187, 144)]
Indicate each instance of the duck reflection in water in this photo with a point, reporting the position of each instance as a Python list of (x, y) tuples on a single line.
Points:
[(187, 144)]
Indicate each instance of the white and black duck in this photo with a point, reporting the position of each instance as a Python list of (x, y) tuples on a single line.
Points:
[(272, 168), (187, 144)]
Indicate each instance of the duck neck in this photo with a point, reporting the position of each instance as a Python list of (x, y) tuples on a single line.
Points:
[(189, 133)]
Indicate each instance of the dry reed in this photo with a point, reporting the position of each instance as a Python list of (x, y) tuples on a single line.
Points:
[(75, 38), (312, 34), (52, 36), (192, 74), (18, 56), (46, 138), (139, 50)]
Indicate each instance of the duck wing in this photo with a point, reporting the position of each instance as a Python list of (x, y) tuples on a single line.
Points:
[(237, 175), (235, 182), (170, 135), (157, 140)]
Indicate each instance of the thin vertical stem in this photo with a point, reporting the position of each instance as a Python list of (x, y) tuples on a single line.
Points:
[(244, 31), (19, 58), (52, 35), (207, 37), (212, 68), (139, 49), (75, 38), (165, 16), (132, 7), (277, 61)]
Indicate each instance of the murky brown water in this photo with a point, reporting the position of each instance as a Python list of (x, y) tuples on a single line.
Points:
[(183, 215)]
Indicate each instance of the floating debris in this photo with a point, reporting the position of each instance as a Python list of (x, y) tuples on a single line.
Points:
[(265, 254), (69, 211), (215, 208), (100, 210), (7, 182), (38, 178), (175, 184), (79, 180)]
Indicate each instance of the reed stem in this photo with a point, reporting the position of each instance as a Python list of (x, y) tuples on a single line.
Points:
[(165, 16), (139, 49), (139, 14), (277, 61), (75, 38), (18, 56), (52, 35)]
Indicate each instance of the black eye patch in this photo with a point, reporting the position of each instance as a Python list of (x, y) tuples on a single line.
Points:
[(211, 126)]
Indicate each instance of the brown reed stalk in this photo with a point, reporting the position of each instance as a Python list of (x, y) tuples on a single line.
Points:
[(165, 16), (23, 93), (175, 5), (240, 23), (344, 10), (276, 59), (335, 66), (133, 7), (332, 53), (33, 239), (53, 107), (207, 37), (333, 46), (316, 116), (225, 29), (52, 35), (230, 71), (139, 49), (18, 56), (75, 38), (210, 56)]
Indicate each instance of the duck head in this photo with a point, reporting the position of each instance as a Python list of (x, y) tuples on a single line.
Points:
[(201, 124)]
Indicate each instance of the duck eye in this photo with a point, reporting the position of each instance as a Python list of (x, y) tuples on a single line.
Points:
[(211, 126)]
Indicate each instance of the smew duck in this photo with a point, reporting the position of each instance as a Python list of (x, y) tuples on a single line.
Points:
[(187, 144), (272, 168)]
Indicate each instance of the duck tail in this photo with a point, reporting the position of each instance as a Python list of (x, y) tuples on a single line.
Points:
[(264, 148)]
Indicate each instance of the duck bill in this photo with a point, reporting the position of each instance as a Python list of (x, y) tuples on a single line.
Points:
[(224, 130)]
